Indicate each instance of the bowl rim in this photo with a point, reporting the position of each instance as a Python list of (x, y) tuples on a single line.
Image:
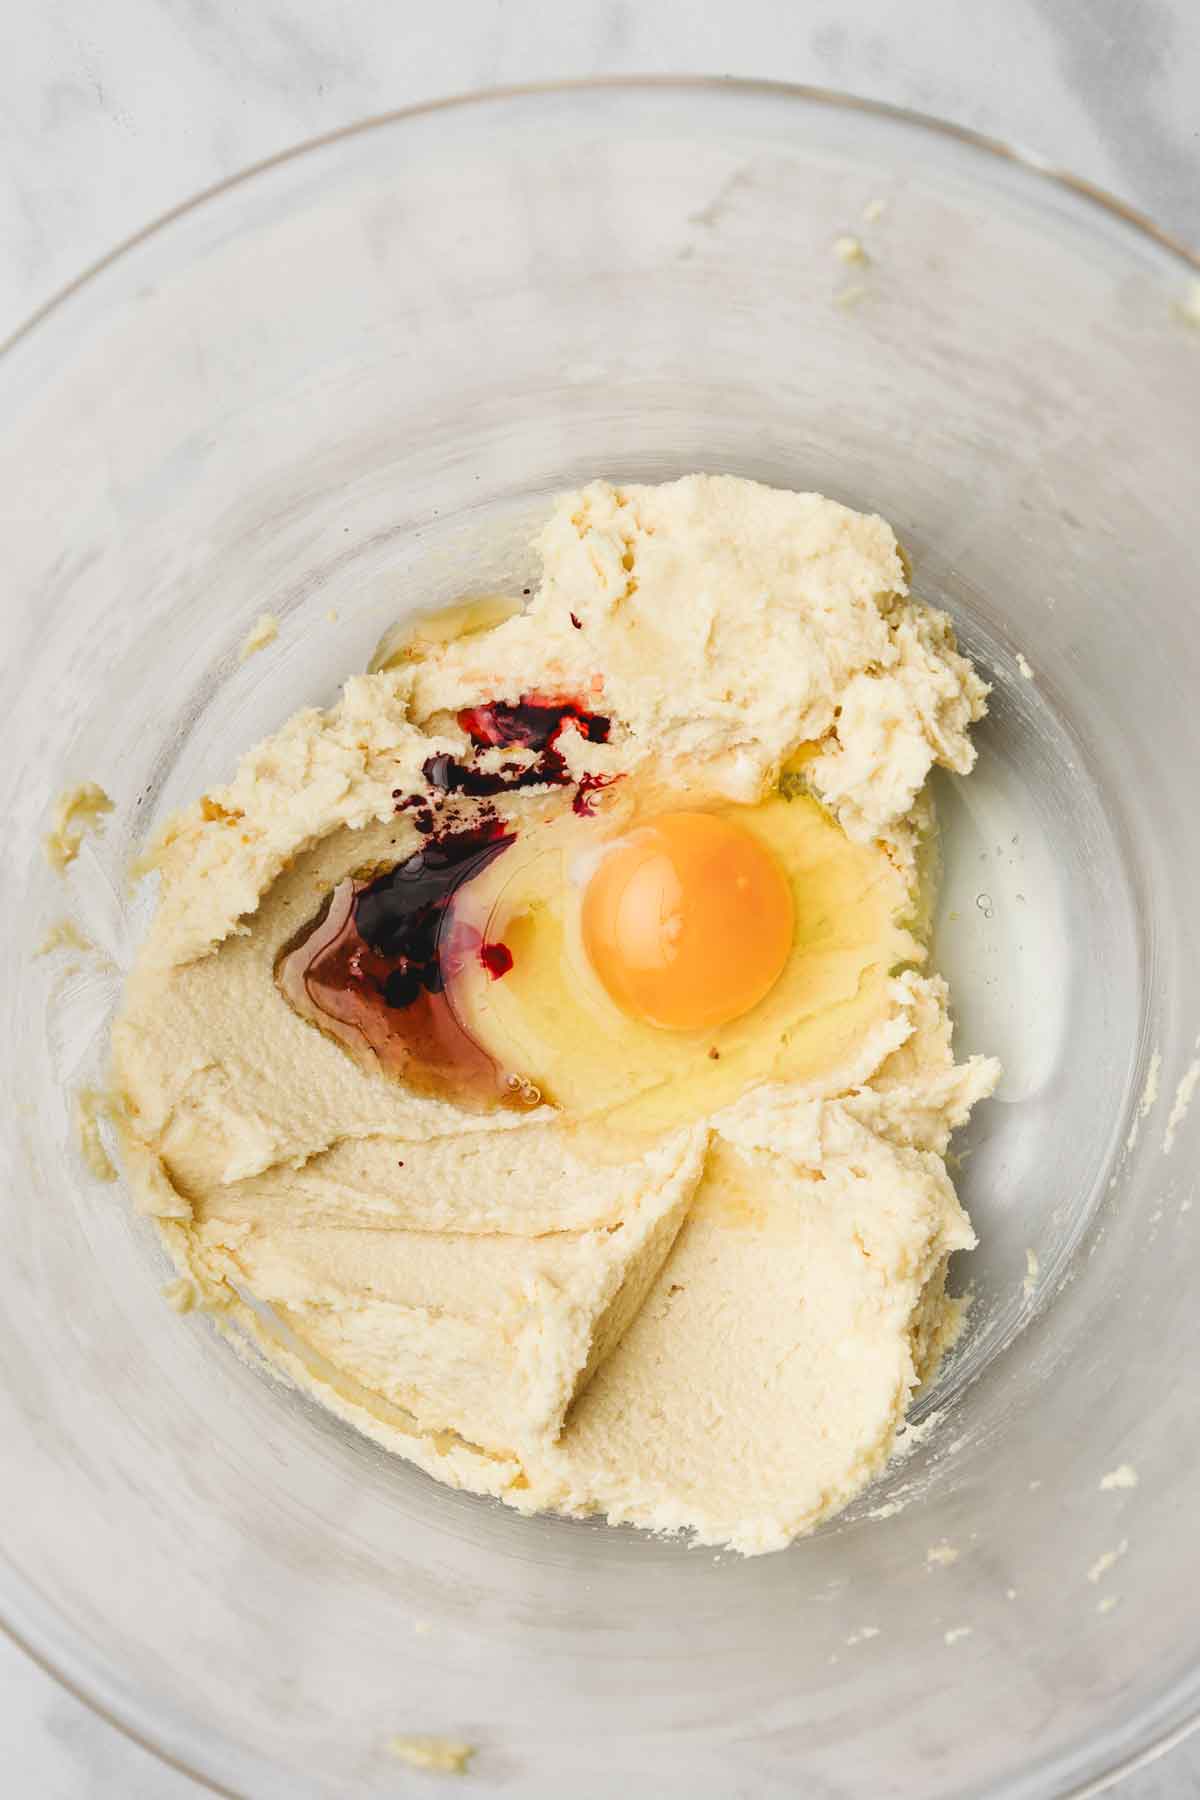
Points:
[(1161, 1737), (1022, 157)]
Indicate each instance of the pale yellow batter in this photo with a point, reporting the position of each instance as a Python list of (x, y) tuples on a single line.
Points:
[(695, 1288)]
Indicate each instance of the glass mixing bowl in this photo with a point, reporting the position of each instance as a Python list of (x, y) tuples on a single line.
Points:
[(343, 388)]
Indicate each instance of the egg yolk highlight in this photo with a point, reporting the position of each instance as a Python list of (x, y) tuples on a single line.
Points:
[(688, 921)]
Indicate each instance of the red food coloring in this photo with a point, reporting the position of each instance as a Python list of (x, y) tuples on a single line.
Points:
[(531, 723), (497, 959), (584, 802), (450, 776), (404, 914), (534, 721), (420, 807), (372, 968)]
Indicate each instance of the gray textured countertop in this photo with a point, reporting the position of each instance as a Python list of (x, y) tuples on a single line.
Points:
[(111, 115)]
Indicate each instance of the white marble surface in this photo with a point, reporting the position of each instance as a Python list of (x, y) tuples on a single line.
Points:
[(111, 114)]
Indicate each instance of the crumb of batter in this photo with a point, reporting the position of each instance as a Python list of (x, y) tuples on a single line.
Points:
[(1107, 1560), (1148, 1097), (181, 1295), (849, 249), (1024, 666), (64, 934), (941, 1556), (77, 810), (264, 631), (850, 296), (1183, 1099), (92, 1107), (956, 1634), (442, 1756), (1126, 1476)]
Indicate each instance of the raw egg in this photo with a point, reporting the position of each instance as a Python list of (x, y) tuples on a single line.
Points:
[(688, 921), (795, 979), (580, 950)]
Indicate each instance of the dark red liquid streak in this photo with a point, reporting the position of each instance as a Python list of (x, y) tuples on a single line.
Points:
[(380, 979), (589, 786), (497, 959), (375, 973), (531, 723)]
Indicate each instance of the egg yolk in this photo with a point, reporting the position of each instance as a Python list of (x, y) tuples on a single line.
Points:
[(688, 921)]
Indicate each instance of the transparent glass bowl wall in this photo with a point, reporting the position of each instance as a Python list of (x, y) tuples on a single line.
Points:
[(346, 385)]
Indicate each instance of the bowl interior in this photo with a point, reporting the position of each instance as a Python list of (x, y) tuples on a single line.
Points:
[(343, 390)]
